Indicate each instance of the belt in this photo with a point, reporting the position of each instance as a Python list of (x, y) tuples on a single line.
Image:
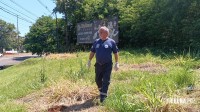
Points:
[(103, 63)]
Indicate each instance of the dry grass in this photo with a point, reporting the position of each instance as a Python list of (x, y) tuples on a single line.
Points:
[(18, 55), (74, 91), (183, 103), (176, 108), (61, 56), (145, 67), (63, 95)]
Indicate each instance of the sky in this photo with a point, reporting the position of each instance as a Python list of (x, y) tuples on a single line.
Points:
[(28, 10)]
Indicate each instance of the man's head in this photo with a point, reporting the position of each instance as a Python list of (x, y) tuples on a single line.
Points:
[(103, 32)]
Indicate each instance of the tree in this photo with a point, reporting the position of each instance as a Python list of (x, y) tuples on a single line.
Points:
[(8, 38), (41, 38), (165, 24), (73, 13)]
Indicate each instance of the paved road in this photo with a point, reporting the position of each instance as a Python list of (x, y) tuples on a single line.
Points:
[(8, 60)]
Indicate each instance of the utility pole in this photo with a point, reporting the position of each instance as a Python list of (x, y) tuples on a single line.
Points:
[(18, 48), (57, 37), (66, 30)]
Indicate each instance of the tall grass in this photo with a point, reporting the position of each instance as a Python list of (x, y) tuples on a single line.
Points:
[(151, 88), (12, 107), (123, 101), (43, 76), (130, 90)]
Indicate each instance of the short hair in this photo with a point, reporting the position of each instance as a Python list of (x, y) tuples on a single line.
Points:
[(104, 28)]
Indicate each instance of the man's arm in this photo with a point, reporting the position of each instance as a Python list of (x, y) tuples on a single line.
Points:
[(90, 59), (116, 57), (116, 61), (91, 55)]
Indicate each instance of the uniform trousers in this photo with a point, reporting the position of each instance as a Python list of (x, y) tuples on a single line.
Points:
[(102, 78)]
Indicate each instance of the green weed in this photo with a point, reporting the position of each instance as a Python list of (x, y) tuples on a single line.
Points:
[(12, 107), (131, 90)]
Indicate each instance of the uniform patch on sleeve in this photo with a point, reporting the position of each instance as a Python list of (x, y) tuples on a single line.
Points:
[(97, 46)]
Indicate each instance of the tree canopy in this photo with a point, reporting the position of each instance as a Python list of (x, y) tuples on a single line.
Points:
[(165, 24), (41, 38), (8, 36)]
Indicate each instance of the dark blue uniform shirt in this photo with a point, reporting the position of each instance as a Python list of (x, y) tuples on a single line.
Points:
[(104, 49)]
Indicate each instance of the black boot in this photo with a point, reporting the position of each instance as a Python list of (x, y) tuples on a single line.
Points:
[(102, 98)]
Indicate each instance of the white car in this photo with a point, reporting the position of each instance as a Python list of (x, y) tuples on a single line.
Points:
[(1, 55)]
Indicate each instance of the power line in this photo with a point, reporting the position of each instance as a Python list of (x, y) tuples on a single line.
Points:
[(14, 14), (9, 12), (23, 8), (44, 6), (6, 18), (16, 10), (3, 9)]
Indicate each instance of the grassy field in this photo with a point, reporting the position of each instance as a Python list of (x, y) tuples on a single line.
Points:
[(145, 82)]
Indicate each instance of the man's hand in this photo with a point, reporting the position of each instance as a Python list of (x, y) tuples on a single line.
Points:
[(89, 63), (116, 67)]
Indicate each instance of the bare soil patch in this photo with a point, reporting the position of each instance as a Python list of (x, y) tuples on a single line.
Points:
[(144, 67)]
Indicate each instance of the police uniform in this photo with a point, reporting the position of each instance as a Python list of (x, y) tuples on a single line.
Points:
[(103, 66)]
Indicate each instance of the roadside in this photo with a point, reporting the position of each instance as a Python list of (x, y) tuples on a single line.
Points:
[(13, 59)]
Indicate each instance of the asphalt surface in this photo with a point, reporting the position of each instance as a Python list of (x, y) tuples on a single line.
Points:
[(8, 60)]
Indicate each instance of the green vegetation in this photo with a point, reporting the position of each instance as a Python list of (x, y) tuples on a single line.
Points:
[(8, 38), (41, 36), (165, 24), (140, 85), (146, 76), (12, 107)]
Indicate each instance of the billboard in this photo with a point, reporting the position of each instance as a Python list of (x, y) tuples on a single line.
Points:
[(87, 32)]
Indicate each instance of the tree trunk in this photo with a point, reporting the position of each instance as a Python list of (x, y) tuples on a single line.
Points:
[(66, 33)]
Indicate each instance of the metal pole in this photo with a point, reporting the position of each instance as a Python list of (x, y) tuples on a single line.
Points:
[(18, 35)]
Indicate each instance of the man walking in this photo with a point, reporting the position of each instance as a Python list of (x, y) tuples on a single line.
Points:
[(102, 48)]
